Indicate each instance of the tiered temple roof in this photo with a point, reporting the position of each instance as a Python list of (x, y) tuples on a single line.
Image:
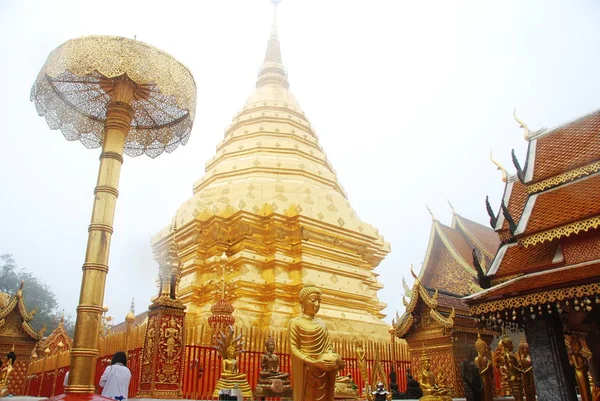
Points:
[(448, 263), (436, 318), (551, 251)]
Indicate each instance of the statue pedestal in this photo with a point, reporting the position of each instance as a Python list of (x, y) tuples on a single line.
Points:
[(163, 354), (275, 389)]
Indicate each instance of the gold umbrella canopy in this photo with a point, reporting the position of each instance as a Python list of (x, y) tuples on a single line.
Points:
[(73, 90)]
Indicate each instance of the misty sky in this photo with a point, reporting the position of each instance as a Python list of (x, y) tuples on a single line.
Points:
[(407, 97)]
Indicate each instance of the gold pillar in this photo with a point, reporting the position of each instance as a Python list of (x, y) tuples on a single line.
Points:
[(85, 347)]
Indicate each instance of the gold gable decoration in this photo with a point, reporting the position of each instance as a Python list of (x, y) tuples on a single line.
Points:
[(404, 323), (17, 302)]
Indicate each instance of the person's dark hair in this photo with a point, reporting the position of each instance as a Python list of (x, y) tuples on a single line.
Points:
[(12, 356), (470, 352), (119, 357)]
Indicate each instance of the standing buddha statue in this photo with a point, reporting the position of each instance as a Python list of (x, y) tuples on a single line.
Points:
[(513, 369), (272, 382), (580, 365), (485, 369), (314, 362), (525, 362), (502, 370), (431, 390), (6, 372)]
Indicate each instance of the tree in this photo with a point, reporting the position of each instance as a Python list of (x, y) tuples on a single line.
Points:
[(36, 294)]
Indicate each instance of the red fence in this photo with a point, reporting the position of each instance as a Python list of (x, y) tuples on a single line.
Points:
[(203, 369)]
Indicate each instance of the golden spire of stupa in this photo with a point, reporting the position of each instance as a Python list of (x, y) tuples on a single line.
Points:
[(272, 70)]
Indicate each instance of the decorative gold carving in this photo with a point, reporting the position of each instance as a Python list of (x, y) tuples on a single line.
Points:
[(538, 298), (559, 232), (564, 178), (450, 274)]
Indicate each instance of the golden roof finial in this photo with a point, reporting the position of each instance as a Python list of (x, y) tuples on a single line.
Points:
[(499, 167), (412, 272), (430, 212), (451, 207), (521, 124)]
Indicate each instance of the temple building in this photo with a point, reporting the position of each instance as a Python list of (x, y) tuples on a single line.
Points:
[(544, 278), (436, 319), (17, 335), (270, 199)]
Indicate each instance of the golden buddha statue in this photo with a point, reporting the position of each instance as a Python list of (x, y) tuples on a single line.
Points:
[(525, 362), (432, 391), (344, 387), (6, 371), (513, 369), (231, 378), (580, 365), (314, 362), (502, 370), (272, 382), (485, 369), (362, 367)]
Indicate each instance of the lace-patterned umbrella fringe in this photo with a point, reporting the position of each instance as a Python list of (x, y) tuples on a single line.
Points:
[(72, 93), (77, 107)]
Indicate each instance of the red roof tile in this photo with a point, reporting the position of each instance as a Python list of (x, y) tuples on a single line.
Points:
[(536, 282), (484, 235), (567, 147), (516, 202), (518, 259), (460, 244), (566, 204)]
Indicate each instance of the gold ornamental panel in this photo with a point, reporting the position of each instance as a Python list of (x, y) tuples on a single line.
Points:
[(538, 298), (564, 178), (563, 231)]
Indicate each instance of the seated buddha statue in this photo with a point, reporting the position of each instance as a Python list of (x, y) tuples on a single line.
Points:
[(345, 387), (272, 382), (432, 391), (6, 372), (230, 375)]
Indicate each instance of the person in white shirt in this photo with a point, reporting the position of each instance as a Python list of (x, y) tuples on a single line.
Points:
[(115, 379)]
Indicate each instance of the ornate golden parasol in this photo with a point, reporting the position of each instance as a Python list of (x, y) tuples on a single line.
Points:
[(127, 97)]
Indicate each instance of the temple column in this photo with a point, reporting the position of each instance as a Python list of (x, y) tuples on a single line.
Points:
[(553, 375)]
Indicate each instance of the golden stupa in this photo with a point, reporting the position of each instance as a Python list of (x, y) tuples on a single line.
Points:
[(271, 200)]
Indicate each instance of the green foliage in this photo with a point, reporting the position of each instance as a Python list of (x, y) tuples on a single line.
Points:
[(36, 294)]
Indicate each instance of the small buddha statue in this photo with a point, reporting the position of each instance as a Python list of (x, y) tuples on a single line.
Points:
[(413, 390), (345, 387), (513, 369), (432, 391), (580, 365), (502, 370), (230, 375), (525, 362), (6, 372), (272, 382), (485, 369), (314, 362)]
